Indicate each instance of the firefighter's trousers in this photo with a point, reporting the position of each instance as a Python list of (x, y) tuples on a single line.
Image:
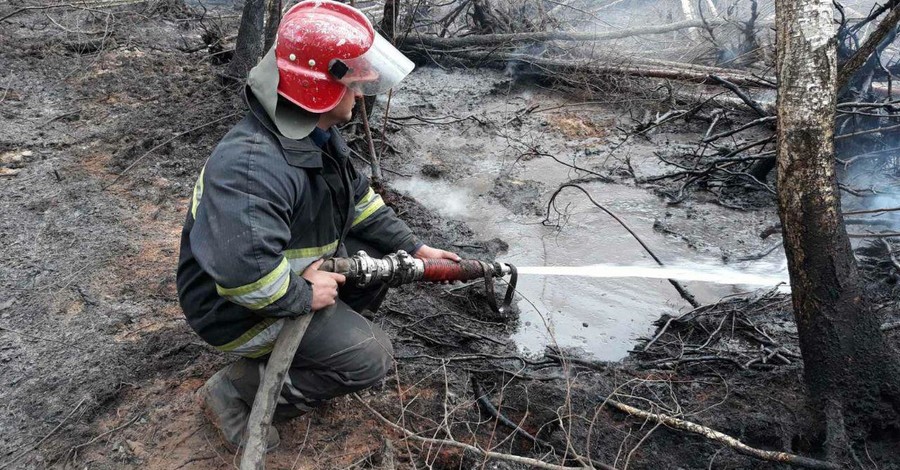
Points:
[(341, 352)]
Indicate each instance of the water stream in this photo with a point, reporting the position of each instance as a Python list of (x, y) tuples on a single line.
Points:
[(691, 272)]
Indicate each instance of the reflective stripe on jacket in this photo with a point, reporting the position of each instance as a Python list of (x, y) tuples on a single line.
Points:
[(263, 209)]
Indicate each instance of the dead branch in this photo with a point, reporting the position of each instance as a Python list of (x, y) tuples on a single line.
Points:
[(377, 177), (485, 404), (709, 433), (757, 122), (862, 54), (741, 94), (481, 452), (867, 131), (682, 291), (761, 254)]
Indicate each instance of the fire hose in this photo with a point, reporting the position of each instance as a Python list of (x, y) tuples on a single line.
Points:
[(363, 271), (401, 268)]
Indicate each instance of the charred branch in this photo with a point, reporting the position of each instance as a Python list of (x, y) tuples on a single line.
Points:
[(709, 433), (869, 47)]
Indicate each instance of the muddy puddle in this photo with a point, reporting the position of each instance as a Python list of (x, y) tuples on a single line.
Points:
[(483, 179)]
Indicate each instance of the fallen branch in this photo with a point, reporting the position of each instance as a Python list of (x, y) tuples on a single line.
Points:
[(484, 453), (761, 254), (485, 404), (867, 131), (741, 94), (677, 423), (762, 120), (687, 296)]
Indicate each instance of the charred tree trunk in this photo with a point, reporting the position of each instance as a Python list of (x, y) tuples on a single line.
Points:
[(389, 20), (259, 23), (849, 369)]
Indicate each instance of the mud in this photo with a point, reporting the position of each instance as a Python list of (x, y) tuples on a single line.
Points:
[(99, 370)]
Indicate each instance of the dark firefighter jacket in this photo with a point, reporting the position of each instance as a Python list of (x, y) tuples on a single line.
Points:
[(263, 209)]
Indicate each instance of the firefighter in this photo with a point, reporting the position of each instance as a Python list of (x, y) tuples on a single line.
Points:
[(277, 196)]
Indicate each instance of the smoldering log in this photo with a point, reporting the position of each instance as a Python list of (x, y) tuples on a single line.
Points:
[(492, 40), (564, 69)]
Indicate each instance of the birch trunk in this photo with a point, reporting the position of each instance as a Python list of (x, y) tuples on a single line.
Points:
[(849, 370)]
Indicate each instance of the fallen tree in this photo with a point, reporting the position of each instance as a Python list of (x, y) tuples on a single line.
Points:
[(512, 39), (569, 69)]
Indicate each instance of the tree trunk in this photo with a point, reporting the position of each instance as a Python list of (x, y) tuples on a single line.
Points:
[(259, 24), (849, 369), (389, 20)]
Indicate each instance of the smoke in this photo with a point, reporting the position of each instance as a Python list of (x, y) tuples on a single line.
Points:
[(439, 196)]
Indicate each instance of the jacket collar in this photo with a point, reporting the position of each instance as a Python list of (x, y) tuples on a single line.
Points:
[(303, 153)]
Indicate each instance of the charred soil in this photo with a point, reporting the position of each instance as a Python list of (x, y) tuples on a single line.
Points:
[(99, 369)]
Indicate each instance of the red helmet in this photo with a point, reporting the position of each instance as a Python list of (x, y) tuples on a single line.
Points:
[(324, 47)]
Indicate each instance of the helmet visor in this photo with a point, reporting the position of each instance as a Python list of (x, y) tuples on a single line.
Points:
[(377, 71)]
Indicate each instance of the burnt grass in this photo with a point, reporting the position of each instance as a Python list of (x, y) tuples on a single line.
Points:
[(98, 368)]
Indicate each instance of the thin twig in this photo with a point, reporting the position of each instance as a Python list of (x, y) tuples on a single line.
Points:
[(176, 136), (98, 436), (376, 166), (38, 443), (677, 423), (741, 94), (26, 335)]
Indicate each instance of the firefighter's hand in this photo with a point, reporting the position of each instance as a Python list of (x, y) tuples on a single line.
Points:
[(427, 252), (324, 285)]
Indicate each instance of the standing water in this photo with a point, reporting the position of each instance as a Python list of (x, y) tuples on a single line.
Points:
[(484, 180)]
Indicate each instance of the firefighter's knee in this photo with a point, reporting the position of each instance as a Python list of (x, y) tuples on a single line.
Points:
[(377, 359)]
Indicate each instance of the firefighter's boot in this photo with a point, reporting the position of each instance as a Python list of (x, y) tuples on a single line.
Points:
[(226, 399)]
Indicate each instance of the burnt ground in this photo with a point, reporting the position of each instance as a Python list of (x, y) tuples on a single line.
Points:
[(99, 370)]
